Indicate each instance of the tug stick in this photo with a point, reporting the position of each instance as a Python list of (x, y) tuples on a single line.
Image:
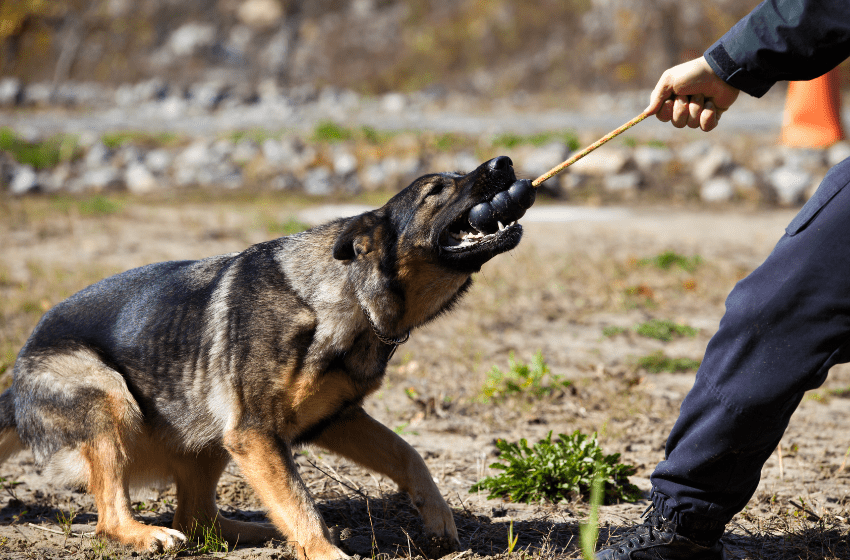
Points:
[(560, 167)]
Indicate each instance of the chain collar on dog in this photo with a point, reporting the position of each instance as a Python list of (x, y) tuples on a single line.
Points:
[(394, 342)]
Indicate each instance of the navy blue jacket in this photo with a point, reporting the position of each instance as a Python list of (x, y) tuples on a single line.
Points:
[(782, 40)]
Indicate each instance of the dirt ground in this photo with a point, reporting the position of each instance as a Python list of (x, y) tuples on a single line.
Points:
[(555, 294)]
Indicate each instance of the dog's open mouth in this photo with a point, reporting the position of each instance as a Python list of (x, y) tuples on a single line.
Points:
[(461, 236)]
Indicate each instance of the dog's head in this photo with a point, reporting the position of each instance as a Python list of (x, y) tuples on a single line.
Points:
[(420, 247), (431, 219)]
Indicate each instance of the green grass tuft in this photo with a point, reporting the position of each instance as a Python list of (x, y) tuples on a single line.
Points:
[(658, 362), (534, 380), (39, 155), (558, 470), (669, 259), (289, 227), (329, 132), (664, 330)]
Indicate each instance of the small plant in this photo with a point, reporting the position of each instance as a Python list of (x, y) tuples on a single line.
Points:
[(613, 331), (534, 379), (289, 227), (664, 330), (331, 133), (669, 259), (512, 140), (402, 430), (65, 521), (98, 205), (658, 362), (208, 539), (512, 539), (589, 531), (39, 155), (9, 487), (556, 471), (115, 140)]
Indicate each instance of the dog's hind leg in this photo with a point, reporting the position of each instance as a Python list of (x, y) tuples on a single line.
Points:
[(266, 462), (73, 402), (109, 483), (364, 440), (196, 479)]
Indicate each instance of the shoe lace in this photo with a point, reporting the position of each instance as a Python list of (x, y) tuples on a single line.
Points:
[(639, 535)]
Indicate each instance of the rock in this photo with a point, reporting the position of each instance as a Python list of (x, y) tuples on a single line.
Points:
[(193, 163), (24, 180), (393, 103), (789, 183), (10, 91), (623, 182), (97, 155), (207, 95), (196, 155), (344, 162), (650, 159), (174, 106), (103, 178), (603, 161), (690, 153), (401, 167), (318, 182), (158, 160), (374, 177), (275, 152), (569, 181), (244, 151), (190, 37), (139, 179), (718, 189), (716, 161), (37, 94), (260, 13), (837, 153), (810, 159), (464, 162), (746, 183), (538, 161)]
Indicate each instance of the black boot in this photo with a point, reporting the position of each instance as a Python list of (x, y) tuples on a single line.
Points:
[(660, 539)]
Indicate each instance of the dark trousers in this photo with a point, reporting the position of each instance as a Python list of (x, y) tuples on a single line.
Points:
[(785, 326)]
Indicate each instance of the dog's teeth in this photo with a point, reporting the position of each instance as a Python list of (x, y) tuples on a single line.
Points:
[(501, 226)]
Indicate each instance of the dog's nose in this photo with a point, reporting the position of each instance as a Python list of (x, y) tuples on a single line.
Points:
[(501, 163)]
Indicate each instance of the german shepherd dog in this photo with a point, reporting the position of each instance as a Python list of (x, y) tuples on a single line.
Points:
[(169, 371)]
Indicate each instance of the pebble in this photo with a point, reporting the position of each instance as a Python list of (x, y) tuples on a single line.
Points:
[(718, 189), (789, 183)]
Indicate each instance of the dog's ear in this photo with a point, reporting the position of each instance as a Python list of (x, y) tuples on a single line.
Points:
[(355, 238)]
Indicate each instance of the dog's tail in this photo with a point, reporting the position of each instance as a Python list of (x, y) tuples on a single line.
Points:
[(10, 443)]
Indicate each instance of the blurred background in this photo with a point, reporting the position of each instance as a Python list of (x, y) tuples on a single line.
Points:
[(332, 98), (492, 48)]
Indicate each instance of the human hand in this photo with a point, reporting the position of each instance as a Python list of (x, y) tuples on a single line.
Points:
[(692, 95)]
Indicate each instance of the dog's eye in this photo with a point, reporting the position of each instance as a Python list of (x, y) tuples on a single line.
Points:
[(435, 189)]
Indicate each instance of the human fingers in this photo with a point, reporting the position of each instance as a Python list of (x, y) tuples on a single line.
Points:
[(680, 111), (665, 113), (695, 108), (661, 94), (709, 116)]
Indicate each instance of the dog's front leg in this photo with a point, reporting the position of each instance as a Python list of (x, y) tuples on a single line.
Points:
[(267, 464), (361, 438)]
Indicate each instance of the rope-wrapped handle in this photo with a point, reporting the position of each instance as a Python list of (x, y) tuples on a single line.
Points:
[(557, 169)]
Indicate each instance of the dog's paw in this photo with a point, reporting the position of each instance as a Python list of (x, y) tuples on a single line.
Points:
[(437, 546), (161, 539)]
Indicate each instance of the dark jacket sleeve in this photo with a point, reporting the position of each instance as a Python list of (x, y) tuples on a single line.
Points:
[(782, 40)]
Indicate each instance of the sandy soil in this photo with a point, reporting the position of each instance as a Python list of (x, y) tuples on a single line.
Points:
[(555, 294)]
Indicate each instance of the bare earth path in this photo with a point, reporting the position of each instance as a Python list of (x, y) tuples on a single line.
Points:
[(555, 293)]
